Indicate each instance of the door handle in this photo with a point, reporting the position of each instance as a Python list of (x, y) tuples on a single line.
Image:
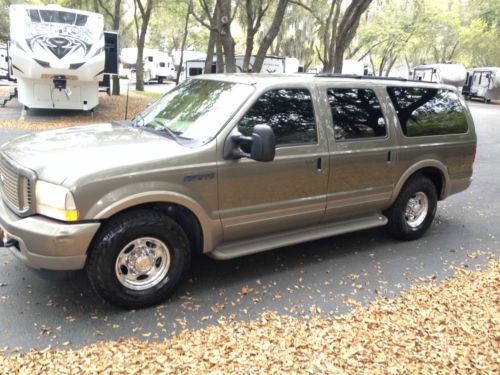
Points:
[(319, 164), (389, 157)]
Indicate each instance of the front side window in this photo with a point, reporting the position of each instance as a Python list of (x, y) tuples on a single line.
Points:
[(289, 112), (194, 111), (427, 111), (356, 114)]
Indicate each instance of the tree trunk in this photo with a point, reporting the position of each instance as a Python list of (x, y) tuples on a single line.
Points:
[(347, 29), (226, 37), (116, 27), (184, 37), (270, 36), (220, 54), (141, 33), (210, 52)]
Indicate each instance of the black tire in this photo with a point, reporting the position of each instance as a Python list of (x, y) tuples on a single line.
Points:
[(398, 225), (112, 238)]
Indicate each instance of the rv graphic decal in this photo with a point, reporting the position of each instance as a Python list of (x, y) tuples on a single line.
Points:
[(59, 33)]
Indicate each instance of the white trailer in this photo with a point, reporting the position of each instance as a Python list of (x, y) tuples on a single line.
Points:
[(57, 56), (158, 66), (482, 83), (4, 62), (271, 64), (353, 67), (451, 74)]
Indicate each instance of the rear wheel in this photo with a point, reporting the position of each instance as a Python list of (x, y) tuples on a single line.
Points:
[(138, 258), (413, 211)]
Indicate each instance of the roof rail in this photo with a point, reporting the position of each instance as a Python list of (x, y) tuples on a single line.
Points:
[(356, 76)]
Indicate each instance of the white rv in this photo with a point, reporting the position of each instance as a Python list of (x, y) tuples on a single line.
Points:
[(158, 66), (451, 74), (482, 83), (353, 67), (4, 62), (57, 56), (272, 64)]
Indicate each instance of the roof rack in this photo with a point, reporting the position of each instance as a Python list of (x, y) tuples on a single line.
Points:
[(356, 76)]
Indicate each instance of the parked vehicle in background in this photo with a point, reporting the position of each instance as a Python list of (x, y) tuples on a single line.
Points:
[(450, 74), (230, 165), (272, 64), (482, 83), (351, 67), (4, 62), (158, 66), (57, 56)]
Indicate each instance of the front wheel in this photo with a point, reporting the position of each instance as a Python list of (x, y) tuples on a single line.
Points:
[(137, 259), (414, 209)]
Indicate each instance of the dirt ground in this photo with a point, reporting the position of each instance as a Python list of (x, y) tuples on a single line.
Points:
[(109, 108)]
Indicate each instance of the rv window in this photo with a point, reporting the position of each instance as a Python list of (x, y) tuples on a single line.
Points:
[(150, 58), (162, 65), (423, 111), (289, 112), (356, 114), (195, 71)]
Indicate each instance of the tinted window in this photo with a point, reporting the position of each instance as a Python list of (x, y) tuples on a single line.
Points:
[(288, 111), (423, 111), (195, 71), (356, 114)]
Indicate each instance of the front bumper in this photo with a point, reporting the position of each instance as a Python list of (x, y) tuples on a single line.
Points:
[(43, 243)]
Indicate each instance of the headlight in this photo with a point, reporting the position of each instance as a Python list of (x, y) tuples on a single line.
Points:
[(55, 201)]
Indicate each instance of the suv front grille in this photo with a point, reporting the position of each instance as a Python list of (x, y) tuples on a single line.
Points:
[(16, 188)]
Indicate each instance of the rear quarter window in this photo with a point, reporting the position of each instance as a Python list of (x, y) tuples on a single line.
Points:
[(426, 111)]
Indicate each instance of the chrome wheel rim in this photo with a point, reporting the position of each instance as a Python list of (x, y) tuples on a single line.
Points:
[(142, 263), (416, 209)]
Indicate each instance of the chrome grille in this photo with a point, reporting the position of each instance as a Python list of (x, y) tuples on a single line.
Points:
[(15, 187)]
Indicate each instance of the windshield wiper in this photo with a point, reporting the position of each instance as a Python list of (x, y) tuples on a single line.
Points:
[(170, 132)]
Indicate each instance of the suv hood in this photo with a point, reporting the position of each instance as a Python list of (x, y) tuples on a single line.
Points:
[(57, 155)]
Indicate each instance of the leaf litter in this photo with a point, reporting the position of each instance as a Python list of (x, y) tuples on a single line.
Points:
[(451, 327)]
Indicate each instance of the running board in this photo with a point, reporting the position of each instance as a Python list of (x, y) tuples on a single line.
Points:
[(252, 246)]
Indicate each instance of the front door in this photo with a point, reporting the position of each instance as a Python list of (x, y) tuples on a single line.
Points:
[(256, 198)]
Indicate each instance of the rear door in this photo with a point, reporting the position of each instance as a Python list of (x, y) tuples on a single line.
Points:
[(257, 198), (362, 155)]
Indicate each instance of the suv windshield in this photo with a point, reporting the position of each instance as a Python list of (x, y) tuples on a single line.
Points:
[(194, 111)]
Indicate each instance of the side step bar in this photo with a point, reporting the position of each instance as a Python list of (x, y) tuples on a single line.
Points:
[(252, 246)]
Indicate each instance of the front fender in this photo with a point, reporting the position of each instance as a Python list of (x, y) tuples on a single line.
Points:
[(134, 195)]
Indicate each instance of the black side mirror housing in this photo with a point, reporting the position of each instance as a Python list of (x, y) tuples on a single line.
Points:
[(262, 141)]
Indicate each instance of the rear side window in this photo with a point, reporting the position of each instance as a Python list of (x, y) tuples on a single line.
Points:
[(424, 111), (356, 114), (289, 112)]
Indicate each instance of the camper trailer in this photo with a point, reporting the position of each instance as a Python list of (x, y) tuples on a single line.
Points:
[(4, 62), (482, 83), (272, 64), (352, 67), (451, 74), (158, 66), (57, 56)]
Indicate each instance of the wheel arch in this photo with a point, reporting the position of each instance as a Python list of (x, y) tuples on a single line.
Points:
[(432, 169), (185, 211)]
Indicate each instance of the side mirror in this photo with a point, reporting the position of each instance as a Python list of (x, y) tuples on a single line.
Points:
[(262, 145)]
